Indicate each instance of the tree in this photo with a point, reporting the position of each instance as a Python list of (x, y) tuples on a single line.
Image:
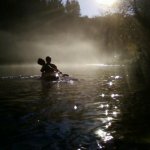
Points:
[(142, 11), (18, 10), (55, 6), (72, 8), (139, 8)]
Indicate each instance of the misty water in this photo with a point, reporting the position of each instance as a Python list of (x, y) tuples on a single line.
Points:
[(92, 112)]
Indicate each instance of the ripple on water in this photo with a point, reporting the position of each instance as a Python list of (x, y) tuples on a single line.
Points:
[(75, 115)]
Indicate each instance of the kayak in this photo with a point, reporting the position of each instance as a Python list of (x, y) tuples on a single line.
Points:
[(50, 76), (56, 77)]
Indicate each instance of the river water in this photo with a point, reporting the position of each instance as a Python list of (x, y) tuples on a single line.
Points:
[(99, 110)]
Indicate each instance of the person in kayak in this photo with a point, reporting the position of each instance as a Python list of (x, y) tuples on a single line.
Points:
[(48, 72), (42, 63), (52, 66)]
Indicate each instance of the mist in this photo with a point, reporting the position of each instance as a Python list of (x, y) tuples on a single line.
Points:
[(55, 30), (70, 48)]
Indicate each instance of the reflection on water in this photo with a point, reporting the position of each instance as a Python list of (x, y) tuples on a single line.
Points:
[(105, 136), (91, 113)]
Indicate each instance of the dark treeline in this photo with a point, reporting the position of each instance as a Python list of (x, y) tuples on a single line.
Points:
[(138, 11), (134, 116), (12, 11)]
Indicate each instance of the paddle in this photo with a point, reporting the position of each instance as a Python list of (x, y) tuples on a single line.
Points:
[(64, 75)]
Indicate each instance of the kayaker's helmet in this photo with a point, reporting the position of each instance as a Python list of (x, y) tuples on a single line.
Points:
[(48, 59), (41, 61)]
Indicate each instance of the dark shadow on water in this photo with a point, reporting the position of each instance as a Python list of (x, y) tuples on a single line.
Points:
[(133, 125)]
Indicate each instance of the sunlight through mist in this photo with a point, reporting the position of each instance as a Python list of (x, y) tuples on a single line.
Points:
[(106, 2)]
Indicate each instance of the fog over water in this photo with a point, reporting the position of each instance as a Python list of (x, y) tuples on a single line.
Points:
[(64, 48)]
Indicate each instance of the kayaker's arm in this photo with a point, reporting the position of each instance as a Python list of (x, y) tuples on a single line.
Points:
[(55, 68)]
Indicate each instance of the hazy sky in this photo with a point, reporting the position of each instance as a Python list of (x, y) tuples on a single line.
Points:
[(93, 8), (88, 8)]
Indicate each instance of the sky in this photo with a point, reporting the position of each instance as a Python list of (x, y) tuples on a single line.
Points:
[(92, 8), (89, 8)]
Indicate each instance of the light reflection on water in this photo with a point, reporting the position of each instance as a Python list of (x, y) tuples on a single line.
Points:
[(61, 115), (104, 135)]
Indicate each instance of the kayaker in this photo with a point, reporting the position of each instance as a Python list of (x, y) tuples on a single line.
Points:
[(52, 66), (47, 71), (42, 63)]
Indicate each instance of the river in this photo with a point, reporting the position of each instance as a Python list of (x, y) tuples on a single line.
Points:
[(99, 110)]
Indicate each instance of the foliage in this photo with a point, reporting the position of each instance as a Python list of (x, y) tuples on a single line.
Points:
[(142, 11), (139, 8), (73, 8), (12, 11)]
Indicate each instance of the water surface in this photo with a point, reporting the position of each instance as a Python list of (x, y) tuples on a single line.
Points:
[(97, 111)]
